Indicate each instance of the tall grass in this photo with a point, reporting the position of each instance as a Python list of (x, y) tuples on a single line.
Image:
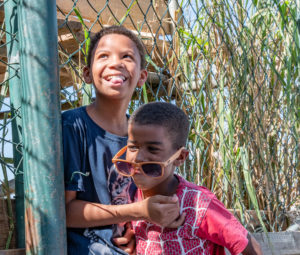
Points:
[(238, 79)]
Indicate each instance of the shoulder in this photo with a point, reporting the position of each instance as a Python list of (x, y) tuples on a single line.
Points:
[(73, 115), (76, 120), (194, 188), (194, 199), (201, 197)]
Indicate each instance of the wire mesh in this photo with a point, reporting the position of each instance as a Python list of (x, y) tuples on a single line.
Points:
[(233, 66)]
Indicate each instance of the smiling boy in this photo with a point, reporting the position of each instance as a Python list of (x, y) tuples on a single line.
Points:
[(157, 134), (91, 135)]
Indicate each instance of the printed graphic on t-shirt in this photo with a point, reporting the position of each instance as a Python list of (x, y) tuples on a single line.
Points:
[(153, 239), (121, 188)]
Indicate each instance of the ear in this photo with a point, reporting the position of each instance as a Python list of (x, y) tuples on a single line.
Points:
[(87, 75), (181, 158), (143, 78)]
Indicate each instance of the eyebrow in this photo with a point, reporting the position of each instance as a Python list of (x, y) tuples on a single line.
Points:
[(100, 50), (148, 143), (108, 50)]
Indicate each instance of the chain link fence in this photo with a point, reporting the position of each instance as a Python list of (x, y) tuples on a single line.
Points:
[(233, 66)]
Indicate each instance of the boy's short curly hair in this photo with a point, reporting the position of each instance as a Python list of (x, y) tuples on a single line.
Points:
[(166, 115), (116, 30)]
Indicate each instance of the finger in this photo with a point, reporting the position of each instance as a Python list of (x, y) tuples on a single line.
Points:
[(168, 218), (129, 233), (170, 211), (128, 225), (165, 199), (123, 240), (130, 248), (178, 222), (120, 241)]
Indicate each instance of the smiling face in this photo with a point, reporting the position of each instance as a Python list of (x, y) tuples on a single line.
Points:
[(115, 67), (152, 143)]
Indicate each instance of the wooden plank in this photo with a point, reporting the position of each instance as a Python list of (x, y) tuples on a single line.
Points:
[(2, 70), (4, 224), (279, 243), (2, 51), (1, 11), (69, 43), (68, 26), (13, 252), (108, 12)]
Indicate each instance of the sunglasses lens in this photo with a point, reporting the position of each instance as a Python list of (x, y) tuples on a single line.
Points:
[(153, 170), (124, 167)]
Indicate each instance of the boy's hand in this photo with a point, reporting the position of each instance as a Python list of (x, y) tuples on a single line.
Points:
[(126, 242), (164, 211), (178, 222), (253, 247)]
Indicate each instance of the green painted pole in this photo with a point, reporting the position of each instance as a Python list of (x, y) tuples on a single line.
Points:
[(45, 226), (12, 47)]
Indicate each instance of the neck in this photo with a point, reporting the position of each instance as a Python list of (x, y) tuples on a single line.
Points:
[(110, 115), (166, 188)]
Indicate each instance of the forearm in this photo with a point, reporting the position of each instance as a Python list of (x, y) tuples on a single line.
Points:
[(159, 209), (82, 214)]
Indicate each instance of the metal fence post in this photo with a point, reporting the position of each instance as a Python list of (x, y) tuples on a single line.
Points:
[(43, 169), (11, 26)]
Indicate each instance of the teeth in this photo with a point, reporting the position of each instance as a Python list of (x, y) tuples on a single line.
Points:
[(116, 77)]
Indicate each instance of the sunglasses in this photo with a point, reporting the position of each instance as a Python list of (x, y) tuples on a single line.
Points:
[(150, 169)]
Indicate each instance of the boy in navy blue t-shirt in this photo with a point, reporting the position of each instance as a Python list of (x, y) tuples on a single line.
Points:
[(96, 196)]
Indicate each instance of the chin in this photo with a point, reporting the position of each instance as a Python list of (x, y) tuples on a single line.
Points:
[(142, 187)]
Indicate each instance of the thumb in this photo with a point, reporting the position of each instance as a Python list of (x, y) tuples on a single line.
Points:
[(178, 222)]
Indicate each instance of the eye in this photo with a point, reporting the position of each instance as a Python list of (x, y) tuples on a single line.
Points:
[(153, 149), (128, 56), (102, 56), (132, 147)]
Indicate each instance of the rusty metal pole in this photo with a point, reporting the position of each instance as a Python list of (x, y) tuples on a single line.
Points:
[(12, 47), (45, 227)]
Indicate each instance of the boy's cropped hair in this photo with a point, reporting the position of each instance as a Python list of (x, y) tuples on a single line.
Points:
[(116, 30), (166, 115)]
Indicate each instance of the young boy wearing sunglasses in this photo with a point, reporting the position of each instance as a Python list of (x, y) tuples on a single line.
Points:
[(157, 135)]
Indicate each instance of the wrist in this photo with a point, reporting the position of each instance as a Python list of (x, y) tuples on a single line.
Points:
[(132, 212), (141, 211)]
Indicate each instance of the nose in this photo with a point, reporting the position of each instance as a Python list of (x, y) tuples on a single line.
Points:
[(136, 170), (139, 156), (116, 61), (136, 158)]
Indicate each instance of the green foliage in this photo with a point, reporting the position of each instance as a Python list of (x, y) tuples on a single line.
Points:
[(87, 88), (239, 63)]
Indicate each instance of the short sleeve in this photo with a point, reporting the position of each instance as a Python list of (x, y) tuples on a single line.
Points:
[(221, 227), (72, 154)]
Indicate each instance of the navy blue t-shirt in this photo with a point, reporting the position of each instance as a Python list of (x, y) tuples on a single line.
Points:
[(88, 151)]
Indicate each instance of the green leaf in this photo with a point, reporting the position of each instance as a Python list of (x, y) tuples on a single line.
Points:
[(86, 34), (249, 185)]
